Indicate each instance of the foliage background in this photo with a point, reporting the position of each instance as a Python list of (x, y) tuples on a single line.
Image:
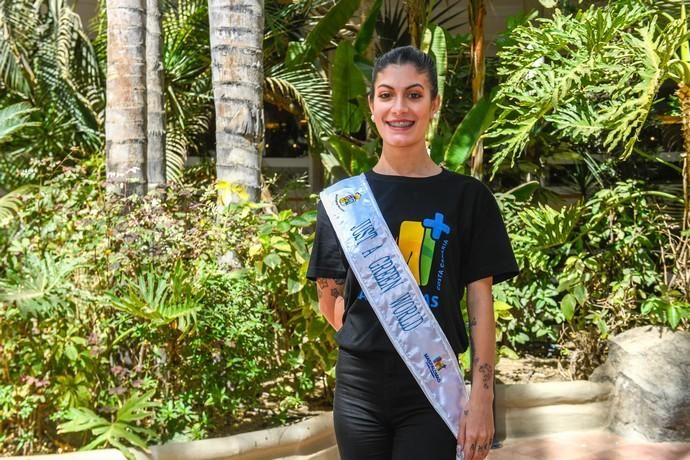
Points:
[(130, 321)]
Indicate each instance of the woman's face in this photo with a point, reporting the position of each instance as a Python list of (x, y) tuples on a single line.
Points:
[(402, 105)]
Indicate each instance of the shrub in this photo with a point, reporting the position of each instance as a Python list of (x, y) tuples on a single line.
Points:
[(164, 314), (590, 269)]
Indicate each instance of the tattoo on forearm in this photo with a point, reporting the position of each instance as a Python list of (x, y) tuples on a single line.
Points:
[(335, 288), (473, 321), (486, 371)]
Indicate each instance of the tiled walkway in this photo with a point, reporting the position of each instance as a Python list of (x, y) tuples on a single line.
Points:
[(588, 445)]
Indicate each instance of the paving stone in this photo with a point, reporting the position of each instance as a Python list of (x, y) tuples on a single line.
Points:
[(589, 445)]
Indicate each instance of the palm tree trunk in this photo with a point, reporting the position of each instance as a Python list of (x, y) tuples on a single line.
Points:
[(125, 112), (237, 31), (477, 12), (683, 94), (155, 120)]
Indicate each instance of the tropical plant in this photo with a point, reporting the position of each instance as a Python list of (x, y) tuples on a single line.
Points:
[(119, 432), (42, 284), (47, 65), (168, 288), (588, 77), (13, 119), (162, 299), (592, 268)]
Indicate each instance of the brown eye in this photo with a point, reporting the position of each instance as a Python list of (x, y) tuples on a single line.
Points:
[(384, 95), (416, 95)]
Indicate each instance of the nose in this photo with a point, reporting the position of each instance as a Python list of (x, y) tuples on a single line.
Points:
[(399, 105)]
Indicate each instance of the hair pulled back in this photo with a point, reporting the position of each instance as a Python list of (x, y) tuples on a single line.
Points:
[(407, 55)]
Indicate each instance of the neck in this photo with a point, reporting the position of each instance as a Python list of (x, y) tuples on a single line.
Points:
[(411, 162)]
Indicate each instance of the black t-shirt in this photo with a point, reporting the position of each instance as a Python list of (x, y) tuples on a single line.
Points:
[(449, 229)]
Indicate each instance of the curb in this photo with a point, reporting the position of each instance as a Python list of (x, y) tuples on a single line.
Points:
[(522, 410)]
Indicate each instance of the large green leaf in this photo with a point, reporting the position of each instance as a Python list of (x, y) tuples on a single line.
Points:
[(325, 30), (343, 158), (366, 31), (568, 304), (435, 43), (468, 132), (348, 87)]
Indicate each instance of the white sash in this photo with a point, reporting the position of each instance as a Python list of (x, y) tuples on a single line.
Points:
[(393, 293)]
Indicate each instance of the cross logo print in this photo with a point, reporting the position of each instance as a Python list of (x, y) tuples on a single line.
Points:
[(437, 226)]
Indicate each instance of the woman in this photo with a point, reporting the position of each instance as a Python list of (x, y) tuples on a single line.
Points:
[(450, 232)]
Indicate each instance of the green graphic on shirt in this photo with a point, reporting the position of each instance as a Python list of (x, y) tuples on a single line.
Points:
[(417, 242)]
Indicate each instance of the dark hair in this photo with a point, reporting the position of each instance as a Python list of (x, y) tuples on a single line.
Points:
[(407, 55)]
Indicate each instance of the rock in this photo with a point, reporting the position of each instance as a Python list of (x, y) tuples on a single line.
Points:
[(649, 368)]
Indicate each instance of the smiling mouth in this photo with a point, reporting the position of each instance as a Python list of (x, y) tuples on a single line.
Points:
[(400, 124)]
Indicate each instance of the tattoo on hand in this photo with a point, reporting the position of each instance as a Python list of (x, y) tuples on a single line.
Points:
[(335, 292), (486, 370), (322, 283), (340, 282)]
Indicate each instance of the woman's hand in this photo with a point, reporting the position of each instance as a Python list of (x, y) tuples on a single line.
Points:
[(477, 426), (477, 429)]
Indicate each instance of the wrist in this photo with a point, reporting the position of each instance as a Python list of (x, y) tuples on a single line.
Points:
[(481, 394)]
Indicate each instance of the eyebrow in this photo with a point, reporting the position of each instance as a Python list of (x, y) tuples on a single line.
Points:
[(409, 87)]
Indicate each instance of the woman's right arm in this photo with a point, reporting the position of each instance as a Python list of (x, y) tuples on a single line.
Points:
[(331, 300)]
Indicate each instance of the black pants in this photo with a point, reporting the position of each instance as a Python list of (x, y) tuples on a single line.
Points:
[(380, 412)]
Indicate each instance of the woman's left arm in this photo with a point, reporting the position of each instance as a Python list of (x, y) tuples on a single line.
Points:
[(477, 425)]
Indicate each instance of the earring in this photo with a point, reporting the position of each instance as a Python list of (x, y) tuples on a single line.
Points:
[(372, 117)]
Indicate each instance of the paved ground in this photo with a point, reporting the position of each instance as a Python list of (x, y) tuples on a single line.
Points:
[(588, 445)]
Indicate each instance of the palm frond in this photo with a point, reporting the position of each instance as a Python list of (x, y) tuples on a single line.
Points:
[(309, 89), (13, 119), (47, 59), (11, 203)]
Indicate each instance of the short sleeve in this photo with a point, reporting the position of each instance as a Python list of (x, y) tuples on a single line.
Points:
[(327, 260), (487, 247)]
